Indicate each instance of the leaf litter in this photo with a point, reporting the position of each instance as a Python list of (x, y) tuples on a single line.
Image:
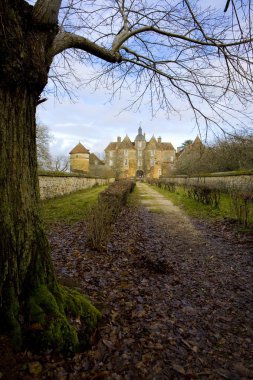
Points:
[(175, 305)]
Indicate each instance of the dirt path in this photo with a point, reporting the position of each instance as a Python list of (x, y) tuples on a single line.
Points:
[(176, 299), (176, 220)]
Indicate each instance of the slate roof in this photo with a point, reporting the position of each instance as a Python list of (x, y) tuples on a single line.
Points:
[(126, 143), (79, 148)]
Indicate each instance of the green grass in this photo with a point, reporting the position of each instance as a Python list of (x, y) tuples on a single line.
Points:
[(196, 209), (70, 208), (133, 198)]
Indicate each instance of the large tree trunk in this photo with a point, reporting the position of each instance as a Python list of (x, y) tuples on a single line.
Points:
[(33, 307)]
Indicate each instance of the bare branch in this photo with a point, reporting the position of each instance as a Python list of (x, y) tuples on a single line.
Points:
[(209, 41), (65, 41), (181, 55)]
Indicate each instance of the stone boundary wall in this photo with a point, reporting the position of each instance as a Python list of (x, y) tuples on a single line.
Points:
[(240, 182), (51, 187)]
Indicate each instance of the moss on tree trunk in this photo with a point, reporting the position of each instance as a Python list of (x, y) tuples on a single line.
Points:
[(34, 308)]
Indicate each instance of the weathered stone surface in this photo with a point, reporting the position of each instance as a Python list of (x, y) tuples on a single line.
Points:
[(242, 182), (55, 186)]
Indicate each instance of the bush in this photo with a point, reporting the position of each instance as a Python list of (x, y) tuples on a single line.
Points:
[(242, 205), (102, 215), (204, 194), (117, 193)]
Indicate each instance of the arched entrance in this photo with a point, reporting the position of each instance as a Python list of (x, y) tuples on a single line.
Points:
[(139, 174)]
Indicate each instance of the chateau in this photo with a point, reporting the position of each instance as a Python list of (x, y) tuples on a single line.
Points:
[(126, 159), (140, 158)]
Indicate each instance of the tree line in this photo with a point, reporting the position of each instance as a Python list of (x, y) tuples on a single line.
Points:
[(228, 154)]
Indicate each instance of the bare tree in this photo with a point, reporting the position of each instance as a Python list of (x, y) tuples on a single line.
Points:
[(61, 163), (43, 138), (161, 47)]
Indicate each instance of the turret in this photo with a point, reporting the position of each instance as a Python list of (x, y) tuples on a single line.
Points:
[(79, 159)]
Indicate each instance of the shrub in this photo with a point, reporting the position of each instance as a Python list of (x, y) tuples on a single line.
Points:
[(116, 194), (105, 212), (242, 205), (204, 194)]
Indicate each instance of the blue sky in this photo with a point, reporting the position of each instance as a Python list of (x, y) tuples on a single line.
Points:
[(94, 121)]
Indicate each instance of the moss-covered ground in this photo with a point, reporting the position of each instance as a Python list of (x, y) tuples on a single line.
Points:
[(50, 316)]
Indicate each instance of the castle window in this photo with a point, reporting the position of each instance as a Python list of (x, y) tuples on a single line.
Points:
[(159, 172), (126, 162), (171, 158), (111, 153), (152, 162), (152, 153), (110, 162), (139, 163), (77, 155), (139, 153), (139, 144), (126, 152)]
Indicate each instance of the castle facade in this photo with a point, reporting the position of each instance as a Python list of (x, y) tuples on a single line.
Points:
[(140, 158)]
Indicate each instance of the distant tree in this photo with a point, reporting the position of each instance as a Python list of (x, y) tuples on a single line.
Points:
[(43, 138), (186, 143), (194, 161), (60, 163), (234, 153), (197, 55)]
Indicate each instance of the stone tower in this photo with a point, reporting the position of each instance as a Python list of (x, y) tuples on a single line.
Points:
[(79, 159)]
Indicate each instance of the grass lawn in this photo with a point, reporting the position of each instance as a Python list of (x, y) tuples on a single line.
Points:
[(133, 198), (70, 208)]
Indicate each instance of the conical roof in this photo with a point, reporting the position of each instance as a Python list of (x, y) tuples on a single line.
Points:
[(79, 148)]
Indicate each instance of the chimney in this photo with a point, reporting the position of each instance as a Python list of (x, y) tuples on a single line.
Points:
[(159, 140), (119, 139)]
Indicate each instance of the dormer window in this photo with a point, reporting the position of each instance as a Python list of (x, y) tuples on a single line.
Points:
[(125, 152), (152, 152)]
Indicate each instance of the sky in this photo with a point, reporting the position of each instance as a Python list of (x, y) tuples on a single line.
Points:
[(95, 121)]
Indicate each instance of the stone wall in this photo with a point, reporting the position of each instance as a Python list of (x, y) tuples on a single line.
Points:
[(56, 186), (242, 182)]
